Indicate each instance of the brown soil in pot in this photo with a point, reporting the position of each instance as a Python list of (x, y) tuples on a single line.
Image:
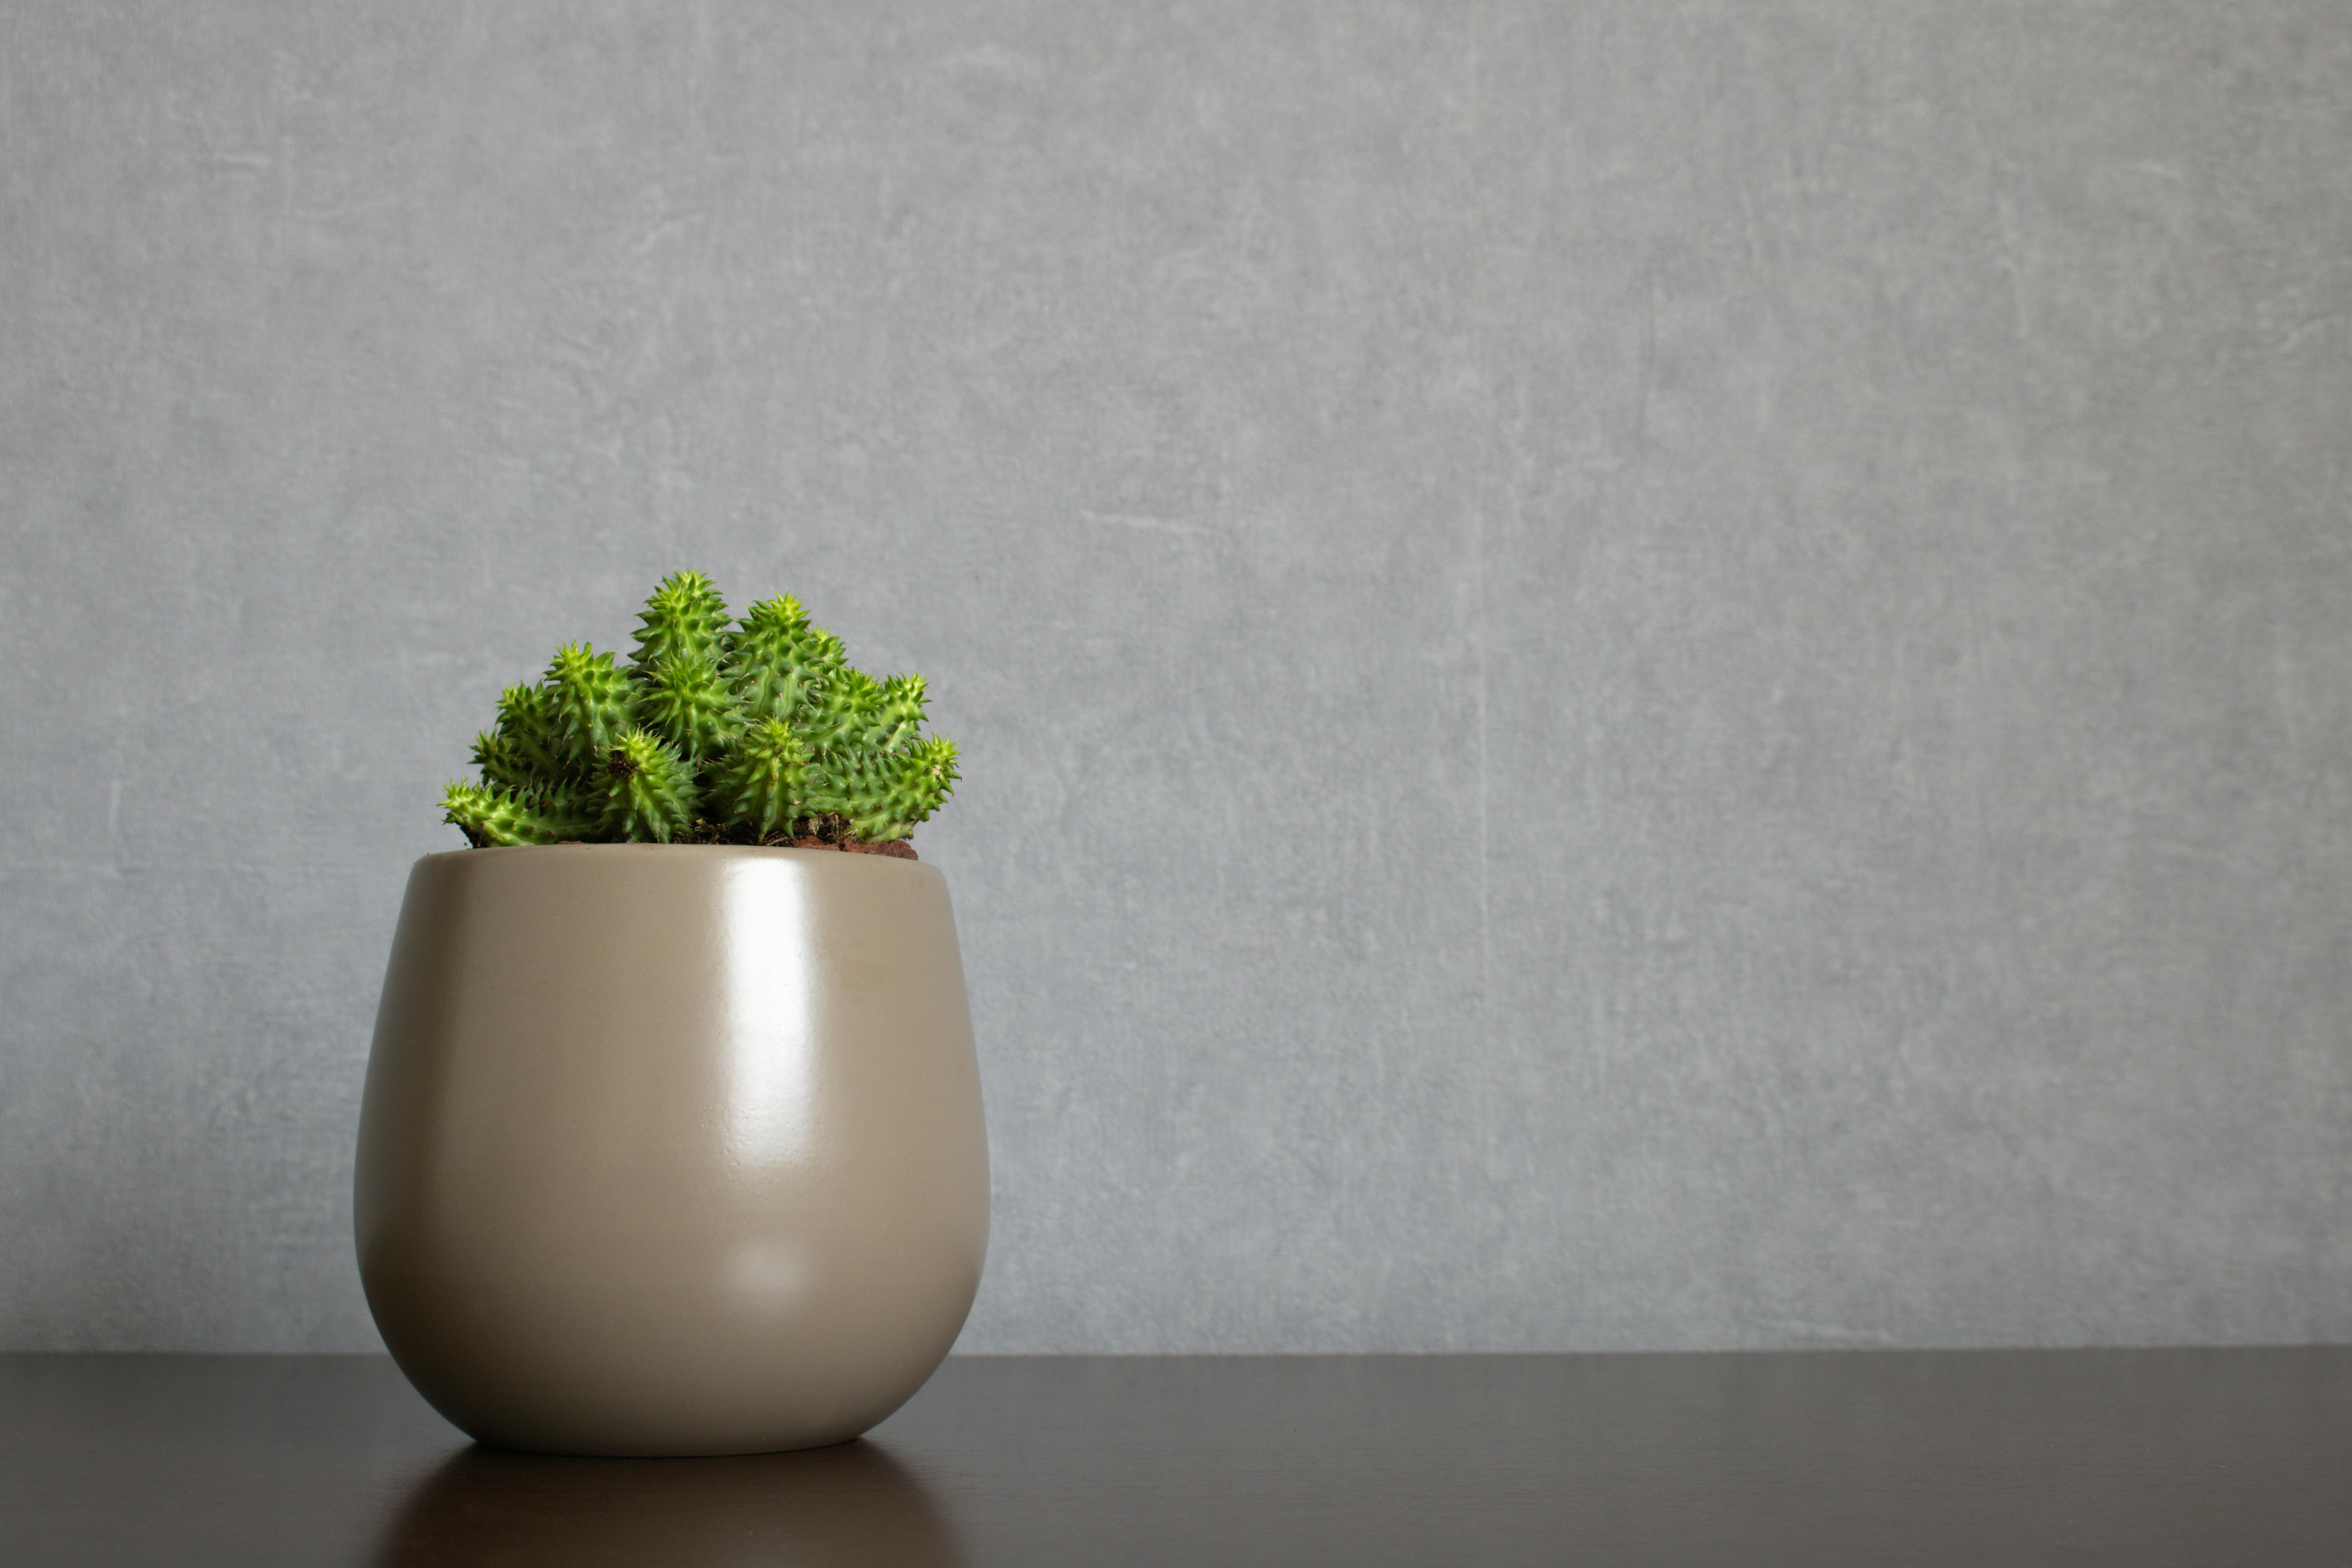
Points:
[(825, 832)]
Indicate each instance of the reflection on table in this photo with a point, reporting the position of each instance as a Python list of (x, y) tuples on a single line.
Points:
[(849, 1504)]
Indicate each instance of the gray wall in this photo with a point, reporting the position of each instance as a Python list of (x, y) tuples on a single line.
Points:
[(1632, 675)]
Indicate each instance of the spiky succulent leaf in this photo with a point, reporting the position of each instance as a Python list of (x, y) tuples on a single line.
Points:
[(576, 806), (762, 783), (687, 704), (684, 617), (593, 703), (531, 732), (926, 776), (884, 796), (499, 762), (780, 661), (904, 697), (650, 792), (491, 815), (846, 716)]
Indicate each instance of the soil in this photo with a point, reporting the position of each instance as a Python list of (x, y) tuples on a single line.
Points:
[(823, 832), (898, 849)]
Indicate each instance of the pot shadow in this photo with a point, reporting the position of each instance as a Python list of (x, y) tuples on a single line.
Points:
[(850, 1504)]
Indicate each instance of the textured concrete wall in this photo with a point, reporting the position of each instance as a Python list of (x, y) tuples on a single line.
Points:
[(1632, 675)]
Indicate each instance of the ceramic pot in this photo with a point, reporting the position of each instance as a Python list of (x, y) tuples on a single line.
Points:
[(671, 1148)]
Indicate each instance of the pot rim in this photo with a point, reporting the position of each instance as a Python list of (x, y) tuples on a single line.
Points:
[(760, 850)]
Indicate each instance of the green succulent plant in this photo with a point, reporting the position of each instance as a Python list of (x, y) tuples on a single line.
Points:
[(714, 732)]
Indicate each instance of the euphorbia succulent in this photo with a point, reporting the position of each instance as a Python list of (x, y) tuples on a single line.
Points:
[(714, 732)]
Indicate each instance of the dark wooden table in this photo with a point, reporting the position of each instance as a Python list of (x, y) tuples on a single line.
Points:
[(2234, 1458)]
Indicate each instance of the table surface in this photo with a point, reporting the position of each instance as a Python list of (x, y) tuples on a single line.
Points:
[(2010, 1457)]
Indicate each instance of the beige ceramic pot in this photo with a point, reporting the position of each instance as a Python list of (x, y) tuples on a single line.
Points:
[(671, 1148)]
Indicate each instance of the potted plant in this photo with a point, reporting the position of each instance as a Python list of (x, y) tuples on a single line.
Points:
[(671, 1141)]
